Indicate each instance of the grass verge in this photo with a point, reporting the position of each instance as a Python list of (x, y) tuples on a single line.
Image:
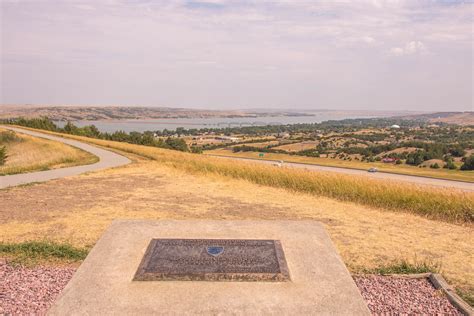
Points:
[(32, 252), (405, 267), (466, 176), (467, 296), (448, 205), (27, 154)]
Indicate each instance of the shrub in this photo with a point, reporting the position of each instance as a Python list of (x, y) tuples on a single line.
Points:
[(8, 137), (468, 163), (196, 150), (435, 166), (3, 155), (450, 165), (176, 144)]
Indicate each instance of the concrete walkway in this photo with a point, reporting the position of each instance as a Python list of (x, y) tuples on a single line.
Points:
[(107, 159), (465, 186)]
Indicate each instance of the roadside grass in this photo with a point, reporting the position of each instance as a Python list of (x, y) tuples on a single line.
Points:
[(443, 204), (27, 154), (34, 252), (404, 169)]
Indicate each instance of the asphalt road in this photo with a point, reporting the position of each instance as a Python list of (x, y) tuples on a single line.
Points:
[(465, 186), (107, 159)]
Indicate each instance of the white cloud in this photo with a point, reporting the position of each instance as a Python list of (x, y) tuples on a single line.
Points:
[(410, 48)]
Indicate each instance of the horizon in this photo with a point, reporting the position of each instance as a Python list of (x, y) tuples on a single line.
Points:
[(249, 109), (226, 55)]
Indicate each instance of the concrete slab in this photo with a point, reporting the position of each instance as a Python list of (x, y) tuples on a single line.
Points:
[(320, 283)]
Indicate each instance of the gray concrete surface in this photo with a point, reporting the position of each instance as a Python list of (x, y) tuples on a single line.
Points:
[(107, 159), (465, 186), (320, 283)]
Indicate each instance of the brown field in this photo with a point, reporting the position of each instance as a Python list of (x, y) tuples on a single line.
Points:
[(428, 163), (466, 118), (398, 151), (298, 146), (366, 237), (262, 144), (32, 154)]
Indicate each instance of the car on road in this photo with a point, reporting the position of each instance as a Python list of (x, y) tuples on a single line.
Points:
[(278, 163), (373, 170)]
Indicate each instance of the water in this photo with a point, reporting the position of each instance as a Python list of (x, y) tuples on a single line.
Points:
[(111, 126)]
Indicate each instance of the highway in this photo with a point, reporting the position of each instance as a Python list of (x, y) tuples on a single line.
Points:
[(465, 186)]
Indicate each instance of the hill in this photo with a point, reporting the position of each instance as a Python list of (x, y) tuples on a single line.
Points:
[(167, 184)]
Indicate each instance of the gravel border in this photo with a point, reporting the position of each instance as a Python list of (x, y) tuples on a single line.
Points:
[(31, 291), (394, 295)]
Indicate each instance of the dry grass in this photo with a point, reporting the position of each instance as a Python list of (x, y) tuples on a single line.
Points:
[(260, 145), (77, 210), (298, 146), (27, 154), (442, 204), (467, 176)]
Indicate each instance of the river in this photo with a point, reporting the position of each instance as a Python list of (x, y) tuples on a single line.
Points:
[(188, 123)]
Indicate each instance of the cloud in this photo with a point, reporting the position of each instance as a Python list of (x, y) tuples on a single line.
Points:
[(225, 53), (410, 48), (84, 7)]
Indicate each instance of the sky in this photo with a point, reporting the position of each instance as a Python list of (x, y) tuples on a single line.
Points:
[(215, 54)]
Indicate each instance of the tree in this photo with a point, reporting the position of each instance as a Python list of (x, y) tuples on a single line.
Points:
[(416, 158), (450, 165), (468, 163), (196, 150), (70, 128), (457, 151), (176, 144), (3, 155)]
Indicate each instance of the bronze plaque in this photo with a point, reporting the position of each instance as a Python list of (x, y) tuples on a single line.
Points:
[(213, 260)]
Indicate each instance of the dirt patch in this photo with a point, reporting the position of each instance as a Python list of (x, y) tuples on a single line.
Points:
[(295, 147)]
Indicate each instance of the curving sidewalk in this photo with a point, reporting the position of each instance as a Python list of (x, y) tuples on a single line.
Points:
[(107, 159)]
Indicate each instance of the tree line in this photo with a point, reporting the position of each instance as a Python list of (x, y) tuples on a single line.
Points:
[(146, 138)]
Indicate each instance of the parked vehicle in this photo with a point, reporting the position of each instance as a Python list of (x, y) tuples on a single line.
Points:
[(373, 170)]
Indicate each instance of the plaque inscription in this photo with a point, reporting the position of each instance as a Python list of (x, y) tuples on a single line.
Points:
[(213, 260)]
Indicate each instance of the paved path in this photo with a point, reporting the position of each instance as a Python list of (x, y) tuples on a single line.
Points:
[(107, 159), (377, 175)]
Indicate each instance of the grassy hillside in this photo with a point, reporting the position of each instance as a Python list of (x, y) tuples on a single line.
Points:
[(27, 154), (458, 175), (171, 185), (77, 210), (441, 204)]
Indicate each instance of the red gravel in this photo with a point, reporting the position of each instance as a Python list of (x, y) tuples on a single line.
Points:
[(33, 290), (387, 295), (30, 291)]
